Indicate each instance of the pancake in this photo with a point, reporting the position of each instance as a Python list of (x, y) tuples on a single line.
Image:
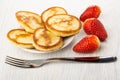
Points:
[(29, 20), (63, 25), (52, 11), (20, 38), (44, 40)]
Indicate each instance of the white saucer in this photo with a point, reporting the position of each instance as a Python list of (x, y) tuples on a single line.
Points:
[(67, 41)]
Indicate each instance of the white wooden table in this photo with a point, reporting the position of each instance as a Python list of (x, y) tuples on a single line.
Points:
[(110, 17)]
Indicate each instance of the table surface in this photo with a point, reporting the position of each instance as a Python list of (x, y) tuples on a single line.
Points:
[(61, 71)]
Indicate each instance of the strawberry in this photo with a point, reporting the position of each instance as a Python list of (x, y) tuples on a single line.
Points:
[(88, 44), (95, 27), (91, 12)]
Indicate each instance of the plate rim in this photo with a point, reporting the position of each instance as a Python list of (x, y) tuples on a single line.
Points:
[(70, 39)]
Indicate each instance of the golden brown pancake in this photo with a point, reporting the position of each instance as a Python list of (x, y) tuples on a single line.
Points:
[(52, 11), (44, 40), (29, 20), (20, 38), (63, 25)]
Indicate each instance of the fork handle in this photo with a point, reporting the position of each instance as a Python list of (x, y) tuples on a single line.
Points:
[(87, 59)]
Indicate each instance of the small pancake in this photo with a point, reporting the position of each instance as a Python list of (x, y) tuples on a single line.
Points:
[(52, 11), (20, 38), (44, 40), (63, 25), (29, 20)]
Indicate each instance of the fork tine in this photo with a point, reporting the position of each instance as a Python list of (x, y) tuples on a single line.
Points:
[(17, 65), (25, 63), (20, 60), (16, 62)]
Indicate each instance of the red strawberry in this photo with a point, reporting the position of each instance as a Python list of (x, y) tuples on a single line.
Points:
[(91, 12), (88, 44), (95, 27)]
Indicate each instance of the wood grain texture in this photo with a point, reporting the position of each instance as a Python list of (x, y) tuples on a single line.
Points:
[(61, 71)]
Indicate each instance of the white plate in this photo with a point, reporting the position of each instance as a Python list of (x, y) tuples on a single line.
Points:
[(66, 40)]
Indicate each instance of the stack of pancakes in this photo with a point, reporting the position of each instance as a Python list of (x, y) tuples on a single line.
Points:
[(45, 32)]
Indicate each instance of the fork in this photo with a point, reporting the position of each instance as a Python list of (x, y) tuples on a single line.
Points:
[(40, 62)]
